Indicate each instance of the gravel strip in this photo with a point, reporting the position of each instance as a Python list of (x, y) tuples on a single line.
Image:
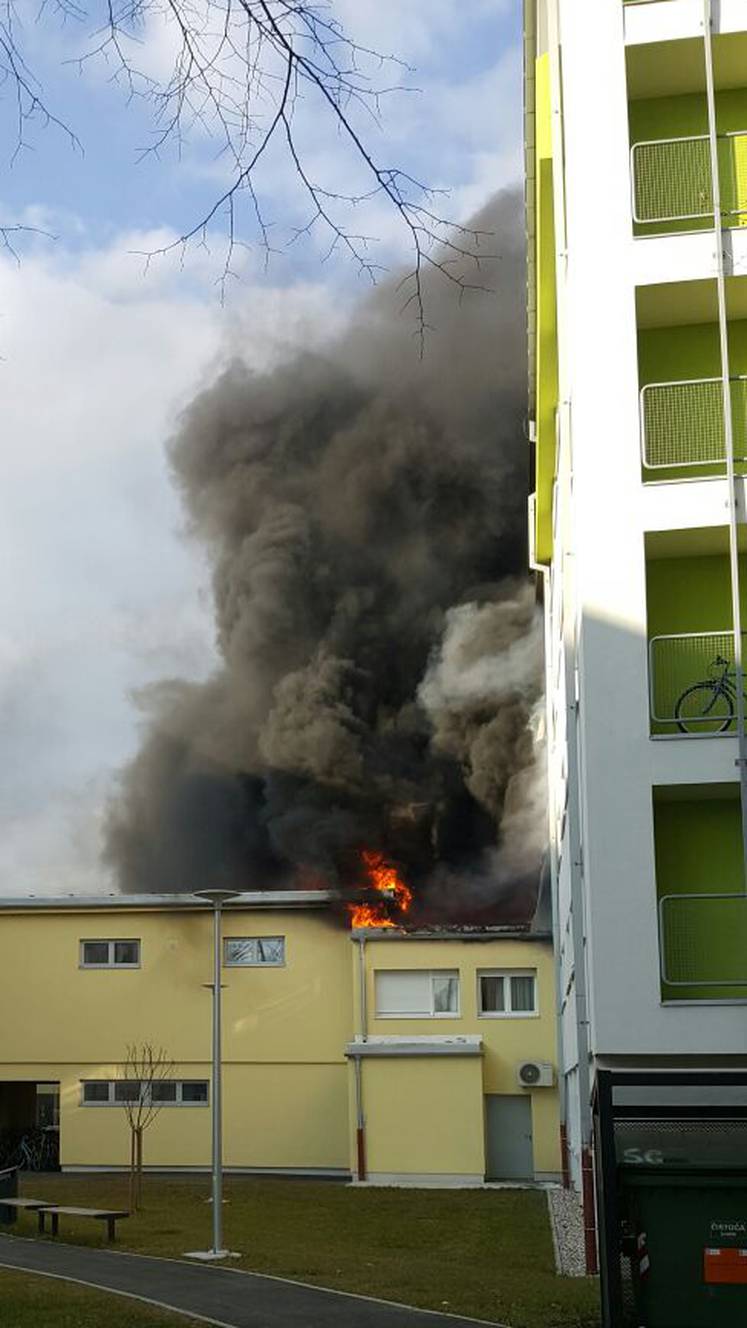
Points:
[(567, 1224)]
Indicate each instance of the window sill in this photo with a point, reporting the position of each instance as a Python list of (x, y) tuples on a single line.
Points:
[(508, 1014), (108, 968), (420, 1015)]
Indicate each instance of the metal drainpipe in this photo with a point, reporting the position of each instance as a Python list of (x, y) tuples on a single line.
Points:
[(360, 1133), (723, 325)]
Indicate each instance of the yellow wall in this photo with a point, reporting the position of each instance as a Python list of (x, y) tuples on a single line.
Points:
[(506, 1041), (288, 1093), (301, 1011), (285, 1030), (424, 1116), (277, 1116)]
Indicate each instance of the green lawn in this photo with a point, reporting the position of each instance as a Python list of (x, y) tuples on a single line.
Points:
[(486, 1253), (28, 1302)]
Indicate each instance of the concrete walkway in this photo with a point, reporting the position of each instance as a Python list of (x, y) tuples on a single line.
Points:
[(221, 1296)]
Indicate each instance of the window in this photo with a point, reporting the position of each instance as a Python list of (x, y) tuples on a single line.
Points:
[(96, 1091), (508, 993), (414, 994), (167, 1092), (110, 954), (164, 1091), (194, 1090), (127, 1090), (254, 951)]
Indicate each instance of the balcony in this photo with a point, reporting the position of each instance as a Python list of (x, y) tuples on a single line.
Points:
[(682, 425), (700, 888), (673, 187), (703, 945), (692, 684)]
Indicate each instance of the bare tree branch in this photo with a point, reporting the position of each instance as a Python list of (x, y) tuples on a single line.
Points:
[(145, 1067), (251, 74)]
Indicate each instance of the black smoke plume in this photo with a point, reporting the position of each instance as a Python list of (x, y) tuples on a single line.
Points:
[(364, 512)]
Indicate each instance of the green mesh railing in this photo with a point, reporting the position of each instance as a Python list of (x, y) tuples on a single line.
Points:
[(703, 940), (683, 423), (692, 683), (672, 179)]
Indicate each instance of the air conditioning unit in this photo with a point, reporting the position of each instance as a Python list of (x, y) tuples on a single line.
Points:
[(535, 1074)]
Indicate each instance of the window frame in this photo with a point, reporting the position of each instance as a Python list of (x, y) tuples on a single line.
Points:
[(112, 1102), (111, 942), (430, 973), (262, 963), (506, 974)]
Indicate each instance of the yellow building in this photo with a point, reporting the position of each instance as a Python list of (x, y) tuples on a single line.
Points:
[(388, 1056)]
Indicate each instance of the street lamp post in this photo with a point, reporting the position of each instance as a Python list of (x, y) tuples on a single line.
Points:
[(216, 898)]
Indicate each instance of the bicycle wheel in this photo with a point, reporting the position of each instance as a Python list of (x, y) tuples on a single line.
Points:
[(704, 708)]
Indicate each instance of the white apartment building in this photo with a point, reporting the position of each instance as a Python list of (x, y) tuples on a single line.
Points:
[(636, 149)]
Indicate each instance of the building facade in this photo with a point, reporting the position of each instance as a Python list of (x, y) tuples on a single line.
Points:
[(636, 120), (386, 1056)]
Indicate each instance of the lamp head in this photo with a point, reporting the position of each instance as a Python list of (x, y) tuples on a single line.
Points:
[(217, 897)]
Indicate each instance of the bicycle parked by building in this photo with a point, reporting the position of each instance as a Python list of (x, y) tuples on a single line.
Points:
[(710, 705)]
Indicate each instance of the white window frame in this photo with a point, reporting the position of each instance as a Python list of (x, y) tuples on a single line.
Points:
[(430, 973), (111, 1102), (111, 942), (507, 974), (247, 963)]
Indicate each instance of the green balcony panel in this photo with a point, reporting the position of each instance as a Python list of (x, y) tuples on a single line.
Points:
[(693, 683), (692, 687), (704, 941), (682, 398), (672, 183), (672, 180), (683, 423), (700, 893)]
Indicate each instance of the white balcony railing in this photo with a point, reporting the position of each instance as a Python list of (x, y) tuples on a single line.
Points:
[(682, 423), (692, 683), (672, 181), (703, 940)]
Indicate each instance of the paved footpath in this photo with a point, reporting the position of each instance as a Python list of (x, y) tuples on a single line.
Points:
[(221, 1296)]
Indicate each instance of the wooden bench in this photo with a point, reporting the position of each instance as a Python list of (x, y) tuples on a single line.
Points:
[(31, 1205), (108, 1215)]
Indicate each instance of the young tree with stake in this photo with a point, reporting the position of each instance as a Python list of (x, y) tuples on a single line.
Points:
[(146, 1069)]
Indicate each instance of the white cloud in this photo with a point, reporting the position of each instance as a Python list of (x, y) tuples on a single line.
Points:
[(100, 592), (412, 30)]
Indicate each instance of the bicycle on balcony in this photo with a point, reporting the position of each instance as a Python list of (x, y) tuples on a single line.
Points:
[(711, 704)]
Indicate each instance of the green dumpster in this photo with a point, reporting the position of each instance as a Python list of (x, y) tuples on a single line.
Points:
[(685, 1233)]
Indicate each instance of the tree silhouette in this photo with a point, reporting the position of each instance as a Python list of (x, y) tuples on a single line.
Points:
[(250, 73)]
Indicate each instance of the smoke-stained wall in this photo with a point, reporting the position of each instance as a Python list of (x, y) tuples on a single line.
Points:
[(363, 510)]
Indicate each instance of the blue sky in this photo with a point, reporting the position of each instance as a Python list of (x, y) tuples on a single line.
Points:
[(102, 592)]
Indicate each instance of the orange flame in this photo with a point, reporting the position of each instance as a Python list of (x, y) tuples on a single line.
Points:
[(385, 878)]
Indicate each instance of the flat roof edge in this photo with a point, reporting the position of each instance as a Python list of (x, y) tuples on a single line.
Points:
[(477, 934), (253, 899)]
